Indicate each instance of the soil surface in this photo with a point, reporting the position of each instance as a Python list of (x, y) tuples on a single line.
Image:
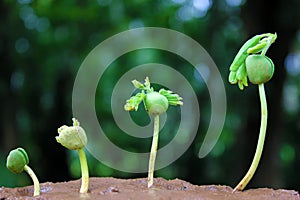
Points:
[(112, 188)]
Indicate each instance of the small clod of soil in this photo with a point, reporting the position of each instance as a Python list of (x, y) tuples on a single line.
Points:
[(123, 189)]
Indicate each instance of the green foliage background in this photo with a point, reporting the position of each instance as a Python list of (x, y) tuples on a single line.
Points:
[(43, 43)]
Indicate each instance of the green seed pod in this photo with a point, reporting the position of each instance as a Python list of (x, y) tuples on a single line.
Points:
[(16, 160), (260, 69), (72, 137), (156, 103)]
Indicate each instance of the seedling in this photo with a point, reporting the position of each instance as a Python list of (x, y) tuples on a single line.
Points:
[(259, 69), (74, 138), (156, 103), (17, 161)]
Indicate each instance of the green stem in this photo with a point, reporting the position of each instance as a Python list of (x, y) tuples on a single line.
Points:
[(84, 171), (153, 151), (261, 140), (35, 180)]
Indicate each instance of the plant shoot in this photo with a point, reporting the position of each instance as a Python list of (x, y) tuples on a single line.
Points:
[(74, 138), (17, 162), (156, 103), (251, 63)]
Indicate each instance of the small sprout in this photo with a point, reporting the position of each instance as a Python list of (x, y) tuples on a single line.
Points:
[(259, 69), (17, 162), (74, 138), (156, 103)]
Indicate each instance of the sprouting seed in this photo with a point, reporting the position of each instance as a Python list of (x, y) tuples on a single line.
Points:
[(156, 103)]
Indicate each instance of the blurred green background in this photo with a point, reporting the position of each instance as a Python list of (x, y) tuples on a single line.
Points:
[(43, 44)]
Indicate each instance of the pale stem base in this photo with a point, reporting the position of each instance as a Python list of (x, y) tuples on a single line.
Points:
[(261, 140), (35, 180), (153, 151), (84, 171)]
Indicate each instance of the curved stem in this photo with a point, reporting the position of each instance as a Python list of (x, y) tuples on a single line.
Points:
[(153, 151), (261, 140), (84, 171), (35, 180)]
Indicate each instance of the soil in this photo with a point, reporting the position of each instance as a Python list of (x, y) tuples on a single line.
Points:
[(112, 188)]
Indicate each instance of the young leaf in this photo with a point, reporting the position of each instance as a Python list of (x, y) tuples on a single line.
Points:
[(173, 99), (138, 84), (134, 101)]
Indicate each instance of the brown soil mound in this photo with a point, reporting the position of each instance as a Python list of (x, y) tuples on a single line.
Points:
[(112, 188)]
